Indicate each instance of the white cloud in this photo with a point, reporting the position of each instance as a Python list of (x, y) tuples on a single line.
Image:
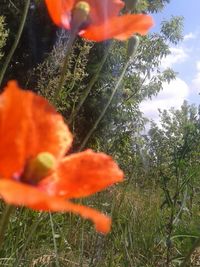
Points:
[(172, 95), (196, 80), (178, 55), (189, 36), (196, 83), (198, 65)]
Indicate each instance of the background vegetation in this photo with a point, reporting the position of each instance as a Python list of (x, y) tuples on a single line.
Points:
[(156, 210)]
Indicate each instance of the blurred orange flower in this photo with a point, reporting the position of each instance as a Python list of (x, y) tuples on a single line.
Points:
[(98, 20), (33, 169)]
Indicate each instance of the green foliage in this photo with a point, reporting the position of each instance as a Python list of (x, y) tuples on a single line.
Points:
[(172, 30), (157, 5), (47, 74), (152, 6), (143, 79), (173, 152), (3, 35)]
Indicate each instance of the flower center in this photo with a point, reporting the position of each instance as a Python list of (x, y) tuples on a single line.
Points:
[(80, 16), (38, 168)]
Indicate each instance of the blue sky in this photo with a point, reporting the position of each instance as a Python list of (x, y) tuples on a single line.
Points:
[(184, 59)]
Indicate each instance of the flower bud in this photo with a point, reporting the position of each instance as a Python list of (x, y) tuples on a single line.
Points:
[(133, 43), (38, 168)]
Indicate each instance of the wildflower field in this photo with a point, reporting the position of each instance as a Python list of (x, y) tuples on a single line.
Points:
[(85, 178)]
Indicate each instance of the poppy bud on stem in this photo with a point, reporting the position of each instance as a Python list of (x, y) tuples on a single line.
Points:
[(38, 167), (132, 47), (79, 20)]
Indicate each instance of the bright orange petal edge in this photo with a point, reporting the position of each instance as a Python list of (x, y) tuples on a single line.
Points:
[(16, 193), (121, 28), (83, 174)]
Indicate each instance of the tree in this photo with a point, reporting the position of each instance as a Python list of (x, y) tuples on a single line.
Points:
[(173, 151)]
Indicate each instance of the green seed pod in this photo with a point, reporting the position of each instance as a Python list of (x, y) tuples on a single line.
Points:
[(80, 15), (133, 43), (38, 168), (83, 6)]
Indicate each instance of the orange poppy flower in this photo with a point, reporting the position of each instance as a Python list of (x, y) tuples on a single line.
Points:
[(98, 20), (33, 169)]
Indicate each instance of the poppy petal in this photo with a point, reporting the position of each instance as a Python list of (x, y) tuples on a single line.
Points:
[(120, 28), (16, 193), (60, 11), (83, 174), (28, 125), (104, 10)]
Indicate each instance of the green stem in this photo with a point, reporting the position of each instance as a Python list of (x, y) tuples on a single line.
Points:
[(54, 240), (189, 254), (90, 85), (4, 222), (105, 108), (15, 44), (65, 63)]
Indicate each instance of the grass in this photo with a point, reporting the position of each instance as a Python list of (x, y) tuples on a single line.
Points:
[(132, 242), (137, 237)]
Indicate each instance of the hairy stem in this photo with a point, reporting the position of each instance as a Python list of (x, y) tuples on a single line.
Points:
[(90, 85), (105, 108), (65, 63)]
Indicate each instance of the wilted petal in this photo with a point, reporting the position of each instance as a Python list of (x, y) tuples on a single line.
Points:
[(83, 174), (16, 193), (120, 28)]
